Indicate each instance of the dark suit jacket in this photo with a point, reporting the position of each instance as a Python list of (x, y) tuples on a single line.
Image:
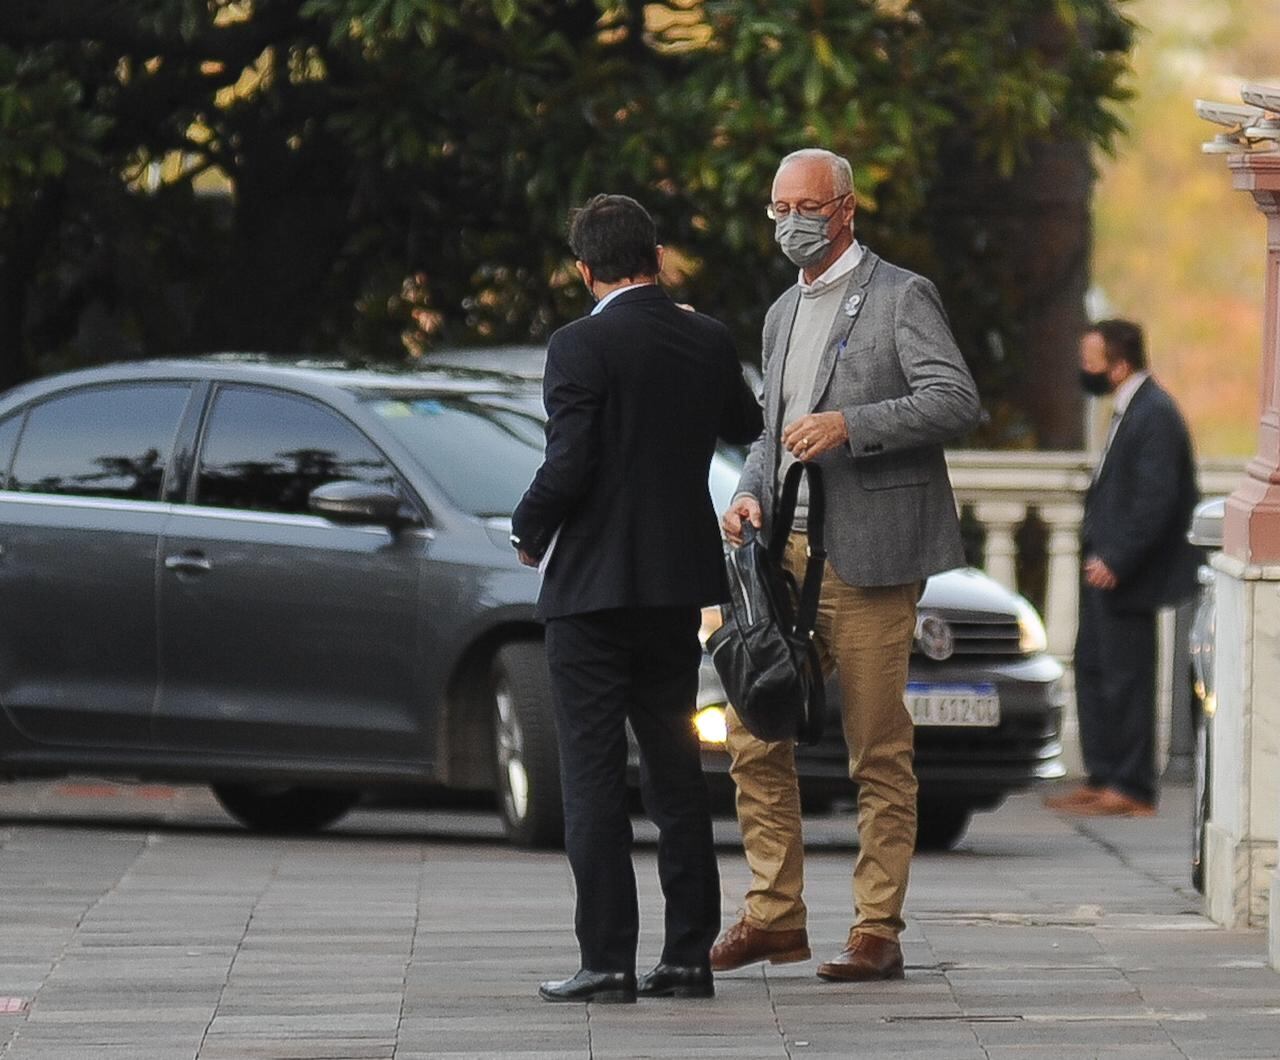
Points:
[(1138, 510), (636, 397)]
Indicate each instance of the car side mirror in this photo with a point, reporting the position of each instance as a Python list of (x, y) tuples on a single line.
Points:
[(354, 503), (1206, 523)]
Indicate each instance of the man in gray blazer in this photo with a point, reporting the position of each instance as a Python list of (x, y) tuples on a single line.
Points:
[(862, 376)]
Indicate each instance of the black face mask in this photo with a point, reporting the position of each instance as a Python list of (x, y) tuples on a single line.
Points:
[(1095, 383)]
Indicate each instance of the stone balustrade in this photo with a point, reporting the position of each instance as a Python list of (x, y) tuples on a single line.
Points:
[(1002, 491)]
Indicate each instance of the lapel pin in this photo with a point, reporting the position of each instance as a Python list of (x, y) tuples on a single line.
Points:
[(852, 306)]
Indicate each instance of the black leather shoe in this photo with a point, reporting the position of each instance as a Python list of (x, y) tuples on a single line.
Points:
[(603, 987), (674, 980)]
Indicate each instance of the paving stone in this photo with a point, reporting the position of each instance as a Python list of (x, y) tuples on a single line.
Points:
[(155, 929)]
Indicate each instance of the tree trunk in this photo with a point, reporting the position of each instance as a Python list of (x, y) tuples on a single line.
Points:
[(23, 237), (12, 315), (1051, 201), (278, 288), (1022, 327)]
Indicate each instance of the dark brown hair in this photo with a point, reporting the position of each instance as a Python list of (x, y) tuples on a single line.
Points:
[(614, 236), (1124, 342)]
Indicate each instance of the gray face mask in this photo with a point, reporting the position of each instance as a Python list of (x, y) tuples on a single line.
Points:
[(803, 240)]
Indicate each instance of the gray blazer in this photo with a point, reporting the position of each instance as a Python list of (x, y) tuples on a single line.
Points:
[(892, 367)]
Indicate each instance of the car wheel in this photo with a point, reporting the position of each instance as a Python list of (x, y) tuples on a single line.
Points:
[(282, 809), (940, 825), (524, 745)]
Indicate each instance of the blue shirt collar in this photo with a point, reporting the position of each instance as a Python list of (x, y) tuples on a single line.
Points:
[(614, 294)]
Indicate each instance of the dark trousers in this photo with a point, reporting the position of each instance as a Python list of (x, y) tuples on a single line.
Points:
[(1116, 694), (607, 668)]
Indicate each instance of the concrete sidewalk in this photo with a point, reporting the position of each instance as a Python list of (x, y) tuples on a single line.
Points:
[(138, 923)]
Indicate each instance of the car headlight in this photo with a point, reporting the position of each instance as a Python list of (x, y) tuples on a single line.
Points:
[(710, 723), (1032, 637), (712, 620), (1209, 704)]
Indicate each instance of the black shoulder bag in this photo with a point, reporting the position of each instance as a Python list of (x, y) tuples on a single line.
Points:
[(764, 652)]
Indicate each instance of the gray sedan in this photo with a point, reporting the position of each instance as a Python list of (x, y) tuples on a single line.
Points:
[(292, 581), (283, 580)]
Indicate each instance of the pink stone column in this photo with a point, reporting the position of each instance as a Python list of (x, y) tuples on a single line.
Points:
[(1251, 528)]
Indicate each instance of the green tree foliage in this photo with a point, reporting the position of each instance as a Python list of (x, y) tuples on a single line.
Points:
[(374, 177)]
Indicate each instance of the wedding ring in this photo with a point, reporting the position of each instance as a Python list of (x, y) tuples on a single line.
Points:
[(804, 442)]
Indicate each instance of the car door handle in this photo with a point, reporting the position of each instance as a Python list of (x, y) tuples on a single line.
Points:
[(188, 563)]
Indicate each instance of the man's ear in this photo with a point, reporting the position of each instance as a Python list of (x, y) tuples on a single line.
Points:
[(584, 270)]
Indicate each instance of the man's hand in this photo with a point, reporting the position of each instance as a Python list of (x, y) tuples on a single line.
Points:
[(817, 433), (527, 560), (1098, 574), (743, 507)]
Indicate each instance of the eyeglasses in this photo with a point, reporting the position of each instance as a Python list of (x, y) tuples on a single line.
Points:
[(809, 209)]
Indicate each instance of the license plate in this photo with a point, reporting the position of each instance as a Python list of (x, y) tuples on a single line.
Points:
[(970, 706)]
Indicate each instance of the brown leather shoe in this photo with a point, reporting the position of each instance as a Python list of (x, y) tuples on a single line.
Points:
[(1080, 796), (744, 944), (1112, 803), (865, 958)]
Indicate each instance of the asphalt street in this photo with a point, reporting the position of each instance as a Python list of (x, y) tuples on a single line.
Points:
[(140, 923)]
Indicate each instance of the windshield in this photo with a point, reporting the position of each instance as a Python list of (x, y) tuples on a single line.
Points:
[(483, 449)]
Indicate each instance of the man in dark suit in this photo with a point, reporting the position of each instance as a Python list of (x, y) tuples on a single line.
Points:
[(620, 514), (1136, 560)]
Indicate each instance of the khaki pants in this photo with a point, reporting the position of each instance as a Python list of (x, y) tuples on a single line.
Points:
[(866, 635)]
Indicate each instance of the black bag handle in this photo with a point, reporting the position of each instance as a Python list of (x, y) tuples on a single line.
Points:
[(811, 588), (810, 723)]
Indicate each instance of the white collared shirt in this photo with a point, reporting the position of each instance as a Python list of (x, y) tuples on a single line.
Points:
[(836, 272), (1119, 406), (1126, 390), (614, 294)]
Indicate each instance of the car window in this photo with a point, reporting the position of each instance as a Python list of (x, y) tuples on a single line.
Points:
[(481, 449), (108, 441), (265, 451), (8, 438)]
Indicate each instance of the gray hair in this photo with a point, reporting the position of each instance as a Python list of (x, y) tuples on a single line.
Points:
[(841, 171)]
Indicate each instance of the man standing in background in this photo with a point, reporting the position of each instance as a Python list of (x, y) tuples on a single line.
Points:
[(1137, 559)]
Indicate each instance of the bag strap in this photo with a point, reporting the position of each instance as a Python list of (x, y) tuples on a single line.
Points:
[(813, 717), (811, 587)]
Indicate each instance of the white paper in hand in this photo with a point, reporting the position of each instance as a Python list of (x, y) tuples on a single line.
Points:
[(546, 556)]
